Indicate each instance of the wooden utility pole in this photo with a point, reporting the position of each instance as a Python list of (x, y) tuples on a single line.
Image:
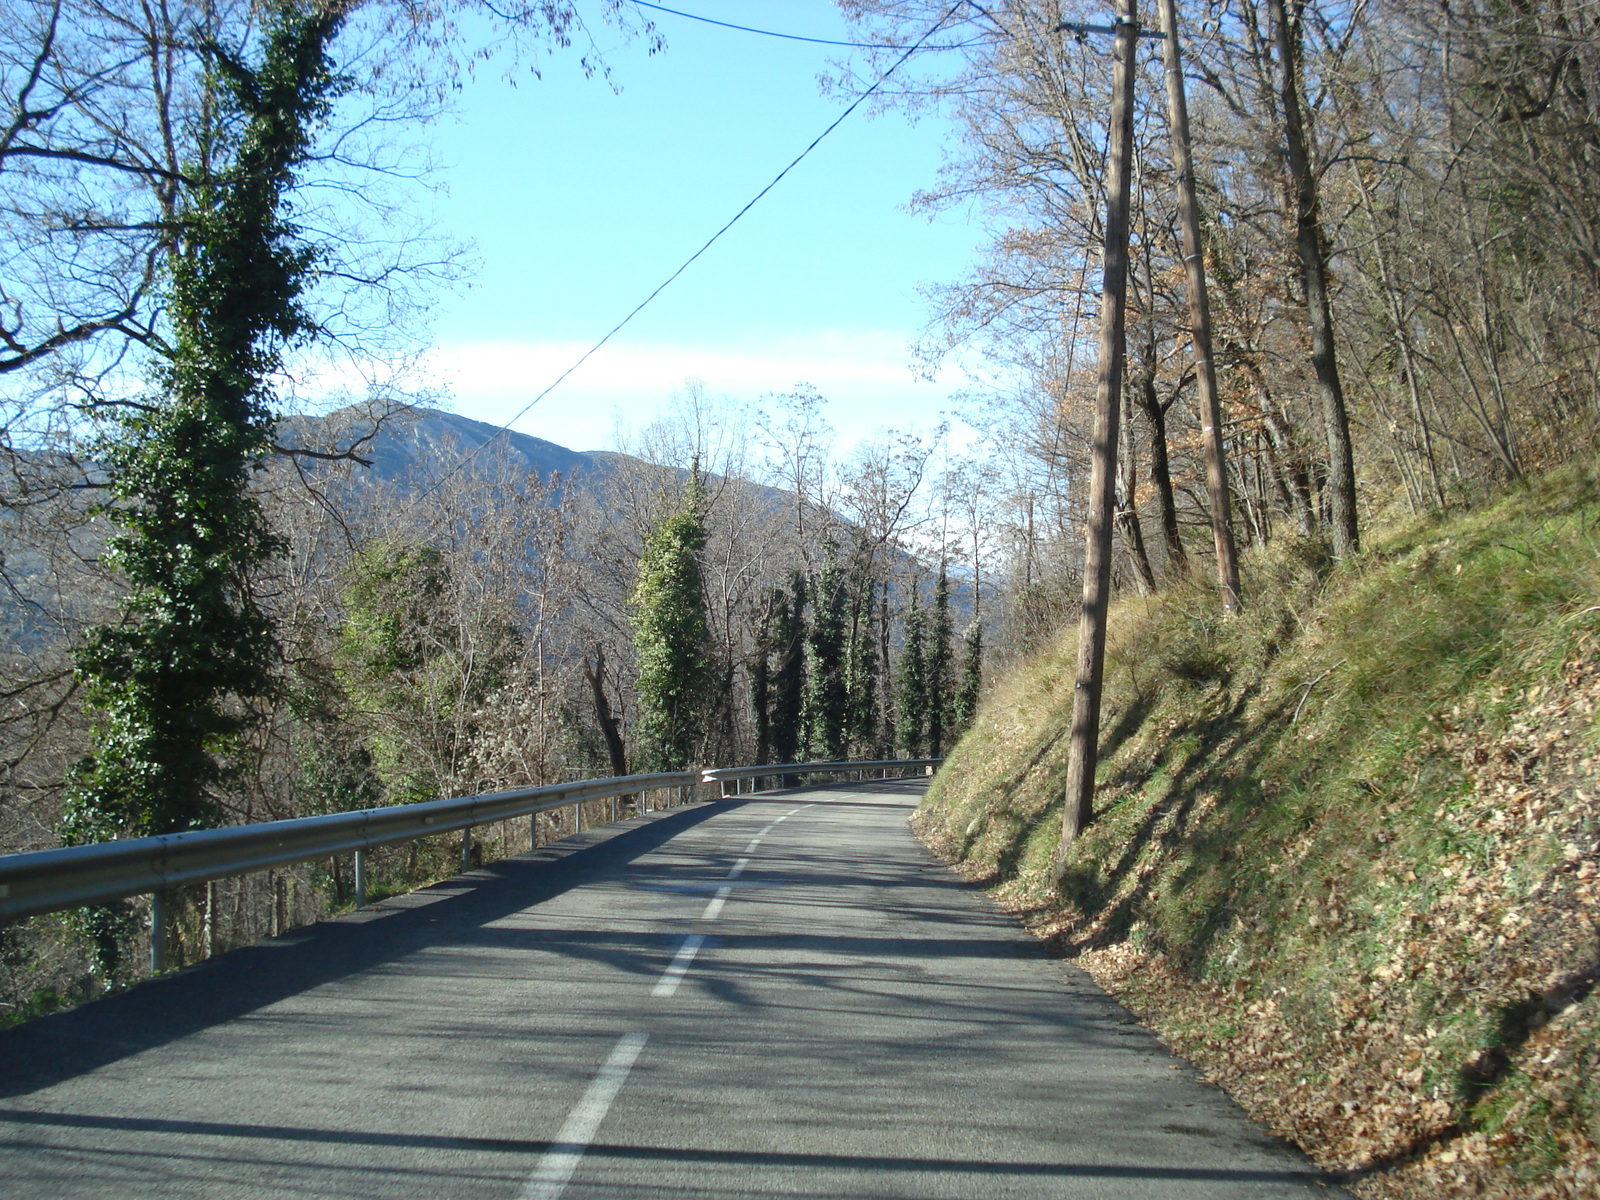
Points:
[(1200, 316), (1083, 753)]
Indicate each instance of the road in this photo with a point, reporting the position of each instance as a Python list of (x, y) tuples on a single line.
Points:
[(781, 995)]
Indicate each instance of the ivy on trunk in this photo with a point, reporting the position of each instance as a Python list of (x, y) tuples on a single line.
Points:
[(172, 683)]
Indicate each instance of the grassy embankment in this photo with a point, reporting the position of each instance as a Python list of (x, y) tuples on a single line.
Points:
[(1346, 851)]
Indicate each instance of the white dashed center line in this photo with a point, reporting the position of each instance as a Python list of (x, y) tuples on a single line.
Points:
[(679, 966), (583, 1122), (556, 1168), (716, 904)]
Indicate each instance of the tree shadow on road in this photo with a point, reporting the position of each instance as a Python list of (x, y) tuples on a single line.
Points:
[(157, 1011)]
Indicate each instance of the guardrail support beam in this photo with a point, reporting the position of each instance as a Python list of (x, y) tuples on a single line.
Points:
[(361, 878), (466, 849)]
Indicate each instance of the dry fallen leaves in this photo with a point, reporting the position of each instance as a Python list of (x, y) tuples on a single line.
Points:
[(1366, 1097)]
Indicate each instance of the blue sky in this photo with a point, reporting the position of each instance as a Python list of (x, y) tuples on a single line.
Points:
[(580, 201)]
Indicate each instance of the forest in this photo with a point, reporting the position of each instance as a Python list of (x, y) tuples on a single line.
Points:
[(217, 612), (223, 608)]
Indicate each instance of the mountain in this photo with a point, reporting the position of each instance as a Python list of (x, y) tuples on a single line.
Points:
[(421, 443), (416, 448), (419, 446)]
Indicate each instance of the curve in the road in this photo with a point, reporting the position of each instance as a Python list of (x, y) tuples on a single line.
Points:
[(777, 995)]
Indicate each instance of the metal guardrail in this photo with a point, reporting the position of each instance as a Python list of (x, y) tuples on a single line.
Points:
[(74, 876), (736, 775)]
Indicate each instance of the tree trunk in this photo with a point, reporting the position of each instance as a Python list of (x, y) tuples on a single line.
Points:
[(1289, 466), (1313, 252), (602, 711), (1200, 322), (1391, 300), (1161, 472), (1128, 510)]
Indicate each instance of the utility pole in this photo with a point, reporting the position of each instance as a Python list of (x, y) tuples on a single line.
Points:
[(1083, 752), (1200, 316)]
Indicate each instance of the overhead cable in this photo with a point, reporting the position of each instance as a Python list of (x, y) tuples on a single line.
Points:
[(789, 37), (688, 262)]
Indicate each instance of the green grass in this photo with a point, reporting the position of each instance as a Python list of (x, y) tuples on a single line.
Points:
[(1284, 808)]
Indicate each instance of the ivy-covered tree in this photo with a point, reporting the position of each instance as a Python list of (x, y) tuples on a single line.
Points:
[(173, 682), (887, 737), (938, 667), (176, 682), (911, 692), (789, 673), (416, 668), (826, 696), (672, 636), (863, 727)]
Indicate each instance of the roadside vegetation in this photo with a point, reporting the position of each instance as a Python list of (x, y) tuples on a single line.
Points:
[(1344, 846), (219, 607), (1347, 850)]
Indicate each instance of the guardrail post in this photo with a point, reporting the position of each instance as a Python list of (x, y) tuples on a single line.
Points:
[(466, 849), (361, 878), (211, 919), (160, 922), (577, 817)]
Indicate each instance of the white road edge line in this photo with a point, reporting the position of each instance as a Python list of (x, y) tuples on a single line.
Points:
[(716, 904), (583, 1122), (738, 868), (678, 967)]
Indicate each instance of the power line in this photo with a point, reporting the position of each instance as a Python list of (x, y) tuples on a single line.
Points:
[(789, 37), (688, 262)]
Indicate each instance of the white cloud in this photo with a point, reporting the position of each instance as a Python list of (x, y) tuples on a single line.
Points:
[(867, 377)]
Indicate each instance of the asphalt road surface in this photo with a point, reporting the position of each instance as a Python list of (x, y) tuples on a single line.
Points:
[(782, 995)]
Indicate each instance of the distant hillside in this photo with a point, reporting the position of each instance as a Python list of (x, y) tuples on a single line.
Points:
[(416, 447), (439, 437), (416, 444)]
